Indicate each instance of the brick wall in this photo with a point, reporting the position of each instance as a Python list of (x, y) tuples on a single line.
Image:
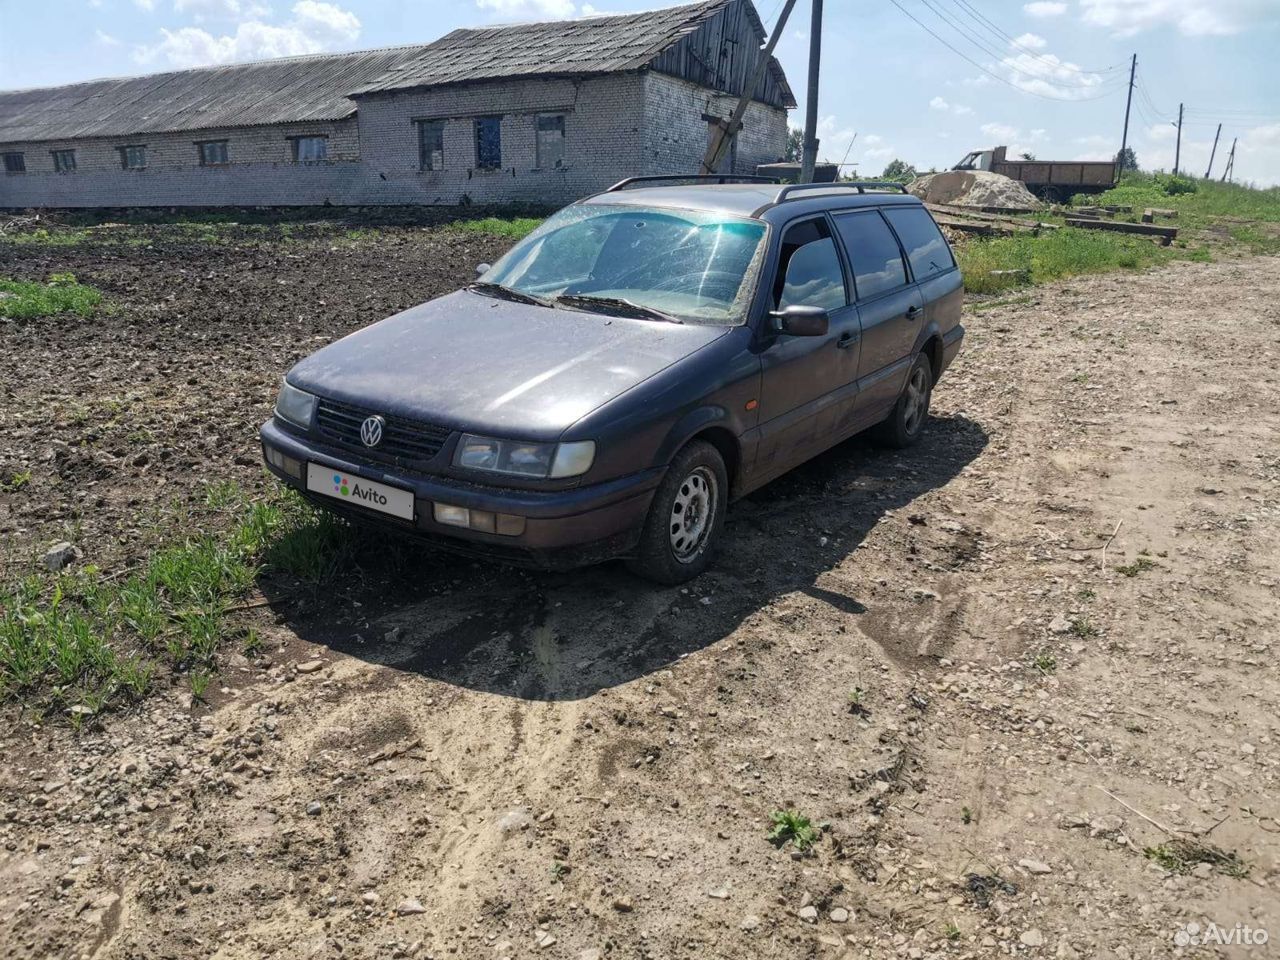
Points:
[(602, 124), (616, 126), (260, 170), (676, 134)]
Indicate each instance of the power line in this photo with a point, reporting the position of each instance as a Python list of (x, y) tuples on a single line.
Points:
[(983, 21), (965, 57), (1069, 80)]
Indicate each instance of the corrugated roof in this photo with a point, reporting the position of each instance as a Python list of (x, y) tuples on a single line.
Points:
[(592, 45), (290, 90), (320, 87)]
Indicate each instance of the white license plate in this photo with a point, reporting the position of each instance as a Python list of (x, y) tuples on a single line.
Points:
[(350, 488)]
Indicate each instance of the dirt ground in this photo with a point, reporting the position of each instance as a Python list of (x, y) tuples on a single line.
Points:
[(1059, 612)]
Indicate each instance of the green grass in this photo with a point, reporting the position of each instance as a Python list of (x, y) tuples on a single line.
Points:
[(77, 645), (1052, 255), (513, 228), (788, 826), (1208, 200), (25, 300)]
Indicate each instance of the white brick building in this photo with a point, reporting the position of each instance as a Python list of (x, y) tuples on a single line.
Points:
[(542, 112)]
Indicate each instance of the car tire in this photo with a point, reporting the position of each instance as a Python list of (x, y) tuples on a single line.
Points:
[(905, 424), (686, 517)]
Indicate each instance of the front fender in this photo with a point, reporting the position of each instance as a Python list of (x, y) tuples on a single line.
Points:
[(690, 425)]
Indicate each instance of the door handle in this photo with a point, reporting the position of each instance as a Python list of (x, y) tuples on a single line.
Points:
[(846, 340), (913, 311)]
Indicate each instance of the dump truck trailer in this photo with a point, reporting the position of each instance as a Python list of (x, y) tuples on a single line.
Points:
[(1051, 180)]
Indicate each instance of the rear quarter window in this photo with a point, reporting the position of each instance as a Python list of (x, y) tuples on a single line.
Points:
[(874, 253), (926, 248)]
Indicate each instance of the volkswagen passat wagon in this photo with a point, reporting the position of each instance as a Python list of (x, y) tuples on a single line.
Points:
[(645, 356)]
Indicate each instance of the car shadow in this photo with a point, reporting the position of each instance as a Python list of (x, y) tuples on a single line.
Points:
[(563, 636)]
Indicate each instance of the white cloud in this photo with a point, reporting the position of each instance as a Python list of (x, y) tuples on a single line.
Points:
[(314, 27), (938, 103), (220, 9), (1030, 41), (1039, 135), (1190, 17), (147, 5), (530, 9), (1048, 76), (105, 39), (1044, 8), (1094, 155), (1000, 131), (834, 139)]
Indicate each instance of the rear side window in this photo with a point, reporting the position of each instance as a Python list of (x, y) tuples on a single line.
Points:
[(809, 271), (926, 249), (877, 261)]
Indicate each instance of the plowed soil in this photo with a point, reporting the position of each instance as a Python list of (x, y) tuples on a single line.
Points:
[(1017, 673)]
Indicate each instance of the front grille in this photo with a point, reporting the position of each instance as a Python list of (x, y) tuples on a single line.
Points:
[(402, 440)]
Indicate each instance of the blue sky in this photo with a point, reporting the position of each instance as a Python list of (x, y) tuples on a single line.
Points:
[(1045, 76)]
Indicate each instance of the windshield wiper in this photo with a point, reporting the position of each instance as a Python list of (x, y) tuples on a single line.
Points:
[(489, 288), (619, 305)]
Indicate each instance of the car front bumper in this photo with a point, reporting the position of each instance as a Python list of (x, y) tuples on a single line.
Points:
[(562, 528)]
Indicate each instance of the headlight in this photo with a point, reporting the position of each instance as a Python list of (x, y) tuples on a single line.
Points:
[(517, 458), (296, 406)]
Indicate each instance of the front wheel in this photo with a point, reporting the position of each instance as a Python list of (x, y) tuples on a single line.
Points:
[(685, 518), (905, 423)]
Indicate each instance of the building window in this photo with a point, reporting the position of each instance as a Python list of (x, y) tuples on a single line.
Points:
[(550, 140), (15, 163), (431, 144), (310, 149), (488, 143), (133, 157), (64, 161), (213, 153)]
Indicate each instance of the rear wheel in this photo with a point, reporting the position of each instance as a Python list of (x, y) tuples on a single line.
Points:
[(685, 518), (905, 424)]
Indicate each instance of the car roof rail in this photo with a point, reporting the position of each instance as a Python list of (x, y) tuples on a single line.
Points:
[(862, 186), (698, 177)]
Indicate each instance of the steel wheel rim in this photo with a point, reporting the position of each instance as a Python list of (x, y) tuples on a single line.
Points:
[(917, 400), (693, 513)]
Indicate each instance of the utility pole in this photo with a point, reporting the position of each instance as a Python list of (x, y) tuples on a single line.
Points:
[(729, 128), (1124, 139), (810, 157), (1177, 150), (1231, 162), (1213, 152)]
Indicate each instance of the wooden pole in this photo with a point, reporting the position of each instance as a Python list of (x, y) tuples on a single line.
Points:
[(1231, 162), (715, 149), (1177, 150), (810, 157), (1213, 152), (1124, 138)]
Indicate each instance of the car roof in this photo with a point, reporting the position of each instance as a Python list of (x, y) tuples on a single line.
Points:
[(758, 200)]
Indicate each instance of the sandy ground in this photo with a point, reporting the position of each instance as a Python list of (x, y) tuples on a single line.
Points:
[(458, 760)]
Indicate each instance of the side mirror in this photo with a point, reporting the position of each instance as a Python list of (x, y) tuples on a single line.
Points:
[(800, 320), (482, 269)]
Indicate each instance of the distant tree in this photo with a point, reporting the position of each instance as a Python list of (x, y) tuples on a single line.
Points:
[(899, 170), (1127, 159), (1027, 156), (795, 145)]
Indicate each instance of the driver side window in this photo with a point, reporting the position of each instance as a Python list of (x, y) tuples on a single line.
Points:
[(809, 271)]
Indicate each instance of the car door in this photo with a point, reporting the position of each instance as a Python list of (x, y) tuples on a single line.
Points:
[(890, 309), (807, 383), (933, 268)]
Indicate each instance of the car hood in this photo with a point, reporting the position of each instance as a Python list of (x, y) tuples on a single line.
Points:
[(471, 362)]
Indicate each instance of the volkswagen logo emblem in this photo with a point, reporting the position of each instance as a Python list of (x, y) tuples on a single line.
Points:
[(371, 431)]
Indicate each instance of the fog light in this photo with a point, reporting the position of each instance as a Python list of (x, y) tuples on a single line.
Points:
[(510, 526), (482, 521), (452, 516), (282, 463)]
